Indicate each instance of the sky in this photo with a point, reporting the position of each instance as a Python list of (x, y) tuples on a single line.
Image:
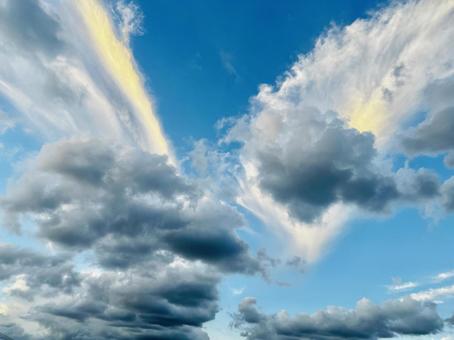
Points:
[(259, 170)]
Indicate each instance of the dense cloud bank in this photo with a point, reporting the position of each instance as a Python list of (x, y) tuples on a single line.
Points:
[(366, 321), (157, 244), (125, 205)]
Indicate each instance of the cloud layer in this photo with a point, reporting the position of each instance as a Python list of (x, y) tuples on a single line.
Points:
[(366, 321)]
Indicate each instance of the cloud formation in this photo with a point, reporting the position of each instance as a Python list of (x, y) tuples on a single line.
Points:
[(85, 194), (319, 144), (155, 243), (366, 321), (54, 72)]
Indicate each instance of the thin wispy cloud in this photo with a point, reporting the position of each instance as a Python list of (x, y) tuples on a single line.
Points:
[(444, 276), (434, 294), (399, 286)]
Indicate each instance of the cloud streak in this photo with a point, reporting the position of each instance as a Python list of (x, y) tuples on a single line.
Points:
[(63, 84)]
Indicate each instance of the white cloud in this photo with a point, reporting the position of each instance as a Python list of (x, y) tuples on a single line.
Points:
[(18, 285), (238, 291), (399, 286), (444, 276), (434, 294), (77, 78), (374, 74)]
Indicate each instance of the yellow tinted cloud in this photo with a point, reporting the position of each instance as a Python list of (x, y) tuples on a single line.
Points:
[(119, 62), (367, 115)]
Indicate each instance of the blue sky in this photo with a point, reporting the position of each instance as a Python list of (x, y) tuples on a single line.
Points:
[(207, 59), (226, 170)]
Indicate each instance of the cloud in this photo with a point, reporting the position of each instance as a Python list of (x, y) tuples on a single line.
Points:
[(159, 300), (318, 146), (447, 190), (329, 163), (433, 294), (41, 33), (170, 305), (399, 286), (227, 63), (155, 244), (67, 73), (366, 321), (130, 19), (124, 204), (25, 268), (444, 276), (433, 135)]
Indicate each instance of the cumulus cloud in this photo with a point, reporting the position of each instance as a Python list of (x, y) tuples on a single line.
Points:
[(28, 270), (171, 303), (326, 164), (124, 204), (163, 299), (366, 321), (155, 245)]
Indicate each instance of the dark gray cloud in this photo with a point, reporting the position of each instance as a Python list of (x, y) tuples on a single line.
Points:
[(40, 272), (414, 185), (15, 332), (449, 160), (334, 163), (447, 190), (433, 135), (366, 321), (154, 243), (125, 204), (154, 303)]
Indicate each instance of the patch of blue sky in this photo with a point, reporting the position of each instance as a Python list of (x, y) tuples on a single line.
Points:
[(204, 60)]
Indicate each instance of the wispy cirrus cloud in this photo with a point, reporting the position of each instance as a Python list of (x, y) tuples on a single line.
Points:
[(434, 294), (444, 276), (64, 84), (400, 286)]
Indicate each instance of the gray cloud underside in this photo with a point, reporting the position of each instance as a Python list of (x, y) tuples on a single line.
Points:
[(154, 301), (320, 161), (124, 204), (366, 321), (139, 219)]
